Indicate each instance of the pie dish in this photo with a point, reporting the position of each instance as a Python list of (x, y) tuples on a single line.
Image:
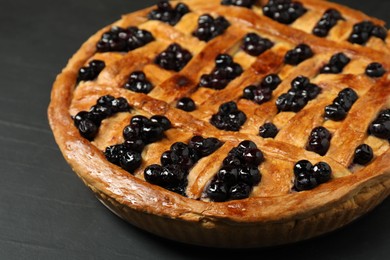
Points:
[(233, 123)]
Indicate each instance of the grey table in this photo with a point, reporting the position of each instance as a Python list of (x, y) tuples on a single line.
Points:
[(46, 212)]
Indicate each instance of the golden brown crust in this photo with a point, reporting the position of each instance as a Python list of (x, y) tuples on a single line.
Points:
[(272, 211)]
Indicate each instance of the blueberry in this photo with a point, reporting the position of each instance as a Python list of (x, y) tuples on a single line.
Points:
[(246, 145), (162, 121), (302, 166), (169, 157), (173, 58), (92, 71), (167, 14), (363, 154), (217, 191), (135, 144), (284, 11), (139, 120), (249, 175), (114, 153), (240, 3), (186, 104), (375, 70), (131, 132), (152, 173), (255, 45), (271, 81), (253, 157), (268, 130), (209, 146), (262, 95), (346, 98), (209, 28), (120, 39), (228, 118), (88, 129), (151, 132), (321, 132), (327, 22), (380, 128), (248, 92), (335, 112), (362, 32), (120, 105), (336, 64), (166, 177), (138, 83), (232, 161), (298, 54), (319, 141), (130, 161), (225, 71), (322, 172), (305, 182), (228, 175), (240, 191)]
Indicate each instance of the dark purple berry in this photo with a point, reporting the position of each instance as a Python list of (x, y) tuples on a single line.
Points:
[(119, 39), (363, 154), (240, 191), (380, 128), (131, 132), (167, 14), (375, 70), (319, 140), (114, 153), (298, 54), (92, 71), (138, 83), (139, 120), (88, 129), (305, 181), (130, 161), (268, 130), (209, 28), (217, 191), (186, 104), (151, 132), (135, 144), (335, 112), (284, 11), (228, 175), (248, 92), (255, 45), (246, 145), (271, 81), (262, 95), (240, 3), (162, 120), (302, 166), (120, 105), (253, 157), (362, 32), (228, 118), (232, 161), (336, 64), (327, 22), (322, 172), (173, 58), (166, 177), (249, 175)]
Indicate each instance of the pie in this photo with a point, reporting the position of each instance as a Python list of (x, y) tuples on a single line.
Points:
[(231, 123)]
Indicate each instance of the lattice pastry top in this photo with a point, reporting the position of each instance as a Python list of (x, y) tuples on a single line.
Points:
[(253, 118)]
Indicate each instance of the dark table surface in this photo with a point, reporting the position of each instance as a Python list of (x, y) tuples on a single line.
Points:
[(46, 212)]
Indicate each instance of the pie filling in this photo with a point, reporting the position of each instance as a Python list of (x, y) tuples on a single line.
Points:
[(276, 94)]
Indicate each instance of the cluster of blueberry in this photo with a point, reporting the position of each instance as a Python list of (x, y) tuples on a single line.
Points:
[(91, 71), (341, 105), (173, 58), (299, 54), (140, 132), (319, 140), (120, 39), (177, 162), (239, 173), (363, 31), (88, 122), (375, 70), (336, 64), (284, 11), (254, 45), (268, 130), (167, 14), (229, 117), (328, 20), (138, 83), (209, 28), (225, 71), (380, 127), (240, 3), (363, 154), (309, 176), (262, 92), (300, 93)]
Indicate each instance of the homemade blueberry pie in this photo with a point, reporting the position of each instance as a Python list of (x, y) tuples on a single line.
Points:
[(231, 123)]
